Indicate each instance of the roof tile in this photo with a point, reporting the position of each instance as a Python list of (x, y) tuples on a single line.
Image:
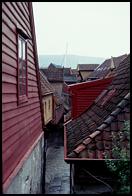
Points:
[(83, 154), (107, 135), (91, 146), (96, 116), (107, 145), (100, 154), (87, 141), (87, 67), (91, 154), (94, 134), (79, 148), (46, 87), (109, 120), (100, 145)]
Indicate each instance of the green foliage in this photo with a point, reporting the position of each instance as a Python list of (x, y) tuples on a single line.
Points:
[(121, 168)]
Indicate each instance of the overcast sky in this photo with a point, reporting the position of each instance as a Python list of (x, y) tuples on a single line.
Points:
[(93, 29)]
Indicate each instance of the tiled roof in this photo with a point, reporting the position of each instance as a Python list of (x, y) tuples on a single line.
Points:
[(103, 69), (57, 98), (74, 71), (65, 88), (70, 78), (67, 71), (46, 87), (87, 67), (52, 65), (53, 73), (90, 135)]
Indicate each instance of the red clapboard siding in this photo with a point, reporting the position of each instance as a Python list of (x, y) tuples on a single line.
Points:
[(30, 65), (21, 124), (15, 17), (30, 59), (25, 132), (14, 129), (6, 40), (13, 121), (11, 79), (8, 50), (9, 60), (30, 53), (84, 94), (18, 154), (7, 68), (26, 14), (10, 25), (19, 12), (30, 47), (20, 111), (8, 88), (7, 106), (6, 29), (25, 7), (31, 71)]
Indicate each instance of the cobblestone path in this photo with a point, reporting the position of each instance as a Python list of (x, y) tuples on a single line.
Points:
[(57, 170)]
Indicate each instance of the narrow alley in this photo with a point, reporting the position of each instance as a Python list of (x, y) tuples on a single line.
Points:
[(57, 178), (65, 98)]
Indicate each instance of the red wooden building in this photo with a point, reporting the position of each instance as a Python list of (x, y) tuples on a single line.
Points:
[(83, 95), (22, 128)]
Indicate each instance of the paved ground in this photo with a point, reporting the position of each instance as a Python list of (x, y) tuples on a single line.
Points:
[(57, 171), (93, 189)]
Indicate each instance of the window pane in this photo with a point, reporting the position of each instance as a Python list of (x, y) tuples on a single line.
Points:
[(22, 77), (24, 50), (22, 66), (24, 89), (20, 47)]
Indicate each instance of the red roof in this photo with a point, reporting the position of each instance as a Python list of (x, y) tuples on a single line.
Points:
[(84, 94)]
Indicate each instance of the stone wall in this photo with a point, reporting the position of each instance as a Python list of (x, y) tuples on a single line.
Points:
[(29, 178)]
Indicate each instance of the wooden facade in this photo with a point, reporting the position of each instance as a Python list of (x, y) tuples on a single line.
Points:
[(84, 94), (21, 121), (47, 98)]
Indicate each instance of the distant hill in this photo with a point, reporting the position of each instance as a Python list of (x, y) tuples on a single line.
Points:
[(71, 60)]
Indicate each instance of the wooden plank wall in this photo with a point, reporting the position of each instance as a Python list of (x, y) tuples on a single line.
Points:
[(83, 95), (21, 124)]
